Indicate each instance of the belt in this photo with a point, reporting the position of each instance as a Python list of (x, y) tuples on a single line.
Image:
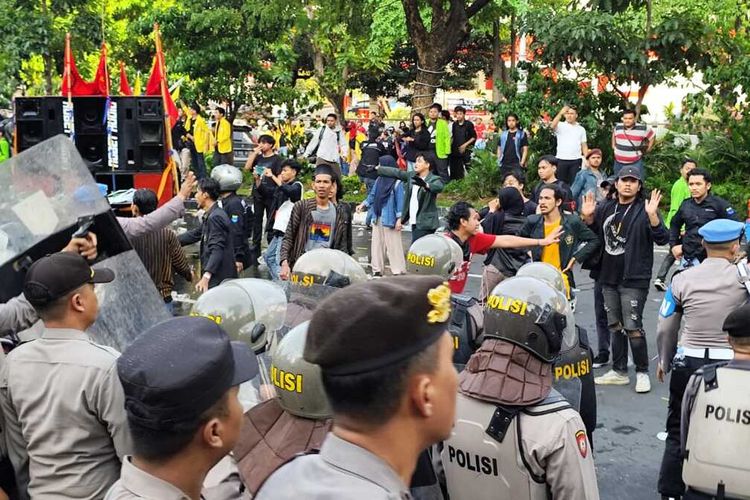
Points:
[(708, 353)]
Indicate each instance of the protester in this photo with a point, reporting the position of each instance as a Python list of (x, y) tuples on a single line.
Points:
[(159, 250), (186, 419), (314, 223), (239, 212), (179, 144), (701, 208), (440, 141), (288, 192), (695, 306), (198, 138), (392, 396), (630, 141), (517, 180), (513, 148), (571, 143), (329, 145), (547, 170), (214, 234), (628, 226), (679, 193), (420, 195), (372, 150), (62, 405), (417, 140), (504, 217), (4, 146), (577, 244), (589, 178), (479, 126), (260, 159), (465, 229), (385, 203), (222, 138), (375, 127), (463, 136)]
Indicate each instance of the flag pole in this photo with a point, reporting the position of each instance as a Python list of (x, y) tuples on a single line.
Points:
[(66, 69), (167, 125)]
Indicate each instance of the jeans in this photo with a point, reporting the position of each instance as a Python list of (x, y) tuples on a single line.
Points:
[(260, 205), (567, 170), (666, 265), (369, 184), (199, 164), (639, 164), (602, 326), (272, 256), (624, 308), (670, 475)]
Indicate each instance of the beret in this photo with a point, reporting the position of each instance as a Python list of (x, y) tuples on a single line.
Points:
[(737, 323), (371, 325)]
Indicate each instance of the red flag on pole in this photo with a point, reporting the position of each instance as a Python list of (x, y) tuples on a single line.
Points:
[(74, 85), (157, 83), (101, 79), (124, 85)]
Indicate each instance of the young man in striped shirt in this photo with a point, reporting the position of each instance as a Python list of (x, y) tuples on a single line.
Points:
[(630, 140)]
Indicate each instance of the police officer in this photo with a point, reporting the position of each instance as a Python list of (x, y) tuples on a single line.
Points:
[(701, 208), (184, 419), (295, 421), (716, 420), (385, 357), (239, 211), (61, 401), (515, 436), (573, 377), (438, 255), (699, 298)]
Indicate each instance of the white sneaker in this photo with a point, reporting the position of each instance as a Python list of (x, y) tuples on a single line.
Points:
[(642, 382), (612, 378)]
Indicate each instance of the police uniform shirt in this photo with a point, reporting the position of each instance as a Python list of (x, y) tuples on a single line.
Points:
[(342, 470), (64, 415), (703, 296)]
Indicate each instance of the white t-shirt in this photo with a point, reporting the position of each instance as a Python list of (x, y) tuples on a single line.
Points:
[(413, 205), (569, 140)]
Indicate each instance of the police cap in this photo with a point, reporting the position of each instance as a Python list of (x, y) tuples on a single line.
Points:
[(54, 276), (368, 326), (178, 369), (737, 324), (721, 231)]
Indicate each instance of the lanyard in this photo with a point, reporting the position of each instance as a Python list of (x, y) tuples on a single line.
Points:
[(619, 224)]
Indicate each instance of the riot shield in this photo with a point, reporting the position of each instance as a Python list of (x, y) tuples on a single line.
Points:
[(302, 301), (570, 364), (47, 190)]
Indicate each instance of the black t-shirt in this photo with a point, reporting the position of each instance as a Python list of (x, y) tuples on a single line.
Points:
[(510, 158), (462, 132), (267, 186), (615, 227)]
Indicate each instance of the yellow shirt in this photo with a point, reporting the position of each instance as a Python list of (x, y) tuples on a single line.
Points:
[(551, 254), (223, 135)]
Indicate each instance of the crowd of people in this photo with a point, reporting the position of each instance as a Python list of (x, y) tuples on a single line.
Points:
[(382, 411)]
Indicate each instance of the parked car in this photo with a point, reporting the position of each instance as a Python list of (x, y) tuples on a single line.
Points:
[(242, 144)]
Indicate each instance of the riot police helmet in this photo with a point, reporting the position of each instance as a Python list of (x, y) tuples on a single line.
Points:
[(298, 383), (229, 177), (434, 254), (326, 266), (527, 312)]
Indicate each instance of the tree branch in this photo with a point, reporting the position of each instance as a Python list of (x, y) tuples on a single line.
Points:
[(472, 9), (414, 22)]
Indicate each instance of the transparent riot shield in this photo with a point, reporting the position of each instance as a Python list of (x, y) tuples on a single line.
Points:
[(570, 365), (250, 310), (302, 301), (47, 190)]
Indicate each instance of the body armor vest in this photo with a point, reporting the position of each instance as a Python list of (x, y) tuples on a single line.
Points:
[(718, 433), (483, 458)]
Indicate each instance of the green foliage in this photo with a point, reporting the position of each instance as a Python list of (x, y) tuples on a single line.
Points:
[(481, 181)]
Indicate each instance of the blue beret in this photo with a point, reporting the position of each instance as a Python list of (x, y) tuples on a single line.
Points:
[(721, 230)]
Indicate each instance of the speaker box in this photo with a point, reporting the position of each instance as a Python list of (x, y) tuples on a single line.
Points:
[(127, 133), (89, 114), (37, 119)]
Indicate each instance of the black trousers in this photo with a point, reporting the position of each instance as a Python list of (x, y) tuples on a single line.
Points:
[(602, 327), (666, 265), (567, 170), (670, 475), (459, 164), (260, 206)]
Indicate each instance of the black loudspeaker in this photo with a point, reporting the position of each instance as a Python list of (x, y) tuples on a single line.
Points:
[(37, 119), (90, 120), (150, 112), (127, 133)]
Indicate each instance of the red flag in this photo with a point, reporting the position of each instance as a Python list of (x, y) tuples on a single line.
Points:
[(74, 85), (157, 83), (124, 85)]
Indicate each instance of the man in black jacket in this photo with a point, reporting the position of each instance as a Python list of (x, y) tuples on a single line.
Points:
[(217, 250), (577, 243), (628, 227), (702, 207)]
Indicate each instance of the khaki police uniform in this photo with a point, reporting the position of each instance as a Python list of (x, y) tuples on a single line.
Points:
[(342, 470), (694, 307), (716, 432), (64, 415), (554, 452)]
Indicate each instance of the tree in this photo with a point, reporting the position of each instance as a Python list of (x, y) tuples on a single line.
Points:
[(436, 33)]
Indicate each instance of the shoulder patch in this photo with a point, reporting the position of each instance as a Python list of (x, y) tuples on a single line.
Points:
[(668, 304), (583, 443), (730, 211), (235, 218)]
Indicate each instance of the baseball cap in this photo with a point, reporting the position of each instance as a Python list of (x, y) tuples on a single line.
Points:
[(178, 369), (633, 172), (58, 274)]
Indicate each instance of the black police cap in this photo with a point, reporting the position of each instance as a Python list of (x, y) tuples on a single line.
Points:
[(54, 276)]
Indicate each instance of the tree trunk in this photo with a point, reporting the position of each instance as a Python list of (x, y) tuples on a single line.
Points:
[(425, 86), (641, 95), (513, 37), (648, 17), (498, 65)]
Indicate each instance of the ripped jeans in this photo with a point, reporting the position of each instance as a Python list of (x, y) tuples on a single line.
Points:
[(624, 307)]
